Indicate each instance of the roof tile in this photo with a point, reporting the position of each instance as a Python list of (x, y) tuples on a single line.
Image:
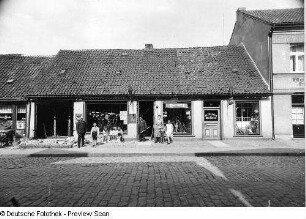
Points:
[(279, 16)]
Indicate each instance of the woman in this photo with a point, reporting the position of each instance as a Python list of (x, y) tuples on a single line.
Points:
[(169, 132), (157, 128), (94, 134)]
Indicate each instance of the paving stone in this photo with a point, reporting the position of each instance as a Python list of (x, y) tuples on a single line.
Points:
[(159, 181)]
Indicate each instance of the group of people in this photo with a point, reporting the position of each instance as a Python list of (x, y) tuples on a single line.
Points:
[(161, 132), (115, 134)]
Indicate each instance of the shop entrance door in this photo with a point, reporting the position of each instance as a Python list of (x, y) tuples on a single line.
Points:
[(146, 111), (298, 121), (211, 123), (298, 116)]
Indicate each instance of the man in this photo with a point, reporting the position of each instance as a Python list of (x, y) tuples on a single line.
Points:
[(142, 127), (81, 130)]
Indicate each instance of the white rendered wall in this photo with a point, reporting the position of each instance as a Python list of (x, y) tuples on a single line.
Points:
[(197, 118), (132, 127), (227, 120), (32, 115), (266, 118), (158, 109), (283, 116)]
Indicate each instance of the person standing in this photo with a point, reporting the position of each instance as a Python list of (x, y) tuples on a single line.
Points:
[(94, 134), (157, 128), (81, 130), (169, 132), (142, 127)]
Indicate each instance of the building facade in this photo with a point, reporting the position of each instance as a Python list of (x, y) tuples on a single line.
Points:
[(275, 41), (206, 92), (17, 75)]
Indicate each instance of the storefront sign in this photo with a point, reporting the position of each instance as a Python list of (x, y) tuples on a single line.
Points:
[(6, 117), (211, 116), (177, 105)]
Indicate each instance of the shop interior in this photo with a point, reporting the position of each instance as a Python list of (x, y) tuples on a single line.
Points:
[(54, 114)]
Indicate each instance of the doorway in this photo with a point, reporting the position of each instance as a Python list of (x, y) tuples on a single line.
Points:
[(298, 116), (146, 111), (54, 119), (211, 128)]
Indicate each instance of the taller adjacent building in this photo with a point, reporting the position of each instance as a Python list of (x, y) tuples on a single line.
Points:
[(275, 41)]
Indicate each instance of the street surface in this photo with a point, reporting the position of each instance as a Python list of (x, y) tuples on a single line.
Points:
[(153, 181)]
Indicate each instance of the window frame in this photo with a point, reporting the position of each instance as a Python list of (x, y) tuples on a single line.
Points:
[(259, 113), (296, 55), (190, 107), (105, 103)]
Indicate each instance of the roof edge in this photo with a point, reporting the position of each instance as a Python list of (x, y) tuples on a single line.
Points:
[(245, 49)]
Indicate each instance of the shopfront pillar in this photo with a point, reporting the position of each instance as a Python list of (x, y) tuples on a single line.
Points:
[(54, 123), (197, 118), (31, 119), (78, 111), (227, 119), (132, 120), (158, 109)]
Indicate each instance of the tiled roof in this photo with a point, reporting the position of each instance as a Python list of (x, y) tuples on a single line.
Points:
[(279, 16), (185, 71), (17, 74)]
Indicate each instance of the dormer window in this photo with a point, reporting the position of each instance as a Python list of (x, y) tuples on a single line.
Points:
[(297, 58)]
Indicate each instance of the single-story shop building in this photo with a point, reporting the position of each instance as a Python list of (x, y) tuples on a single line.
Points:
[(206, 92)]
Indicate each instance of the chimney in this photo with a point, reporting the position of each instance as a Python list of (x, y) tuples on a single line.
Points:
[(239, 13), (148, 46), (242, 9)]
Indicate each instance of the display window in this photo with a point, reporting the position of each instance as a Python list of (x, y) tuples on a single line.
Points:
[(107, 116), (6, 117), (180, 116), (247, 118), (21, 120)]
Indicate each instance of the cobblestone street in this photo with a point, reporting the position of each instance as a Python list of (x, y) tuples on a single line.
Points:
[(154, 181)]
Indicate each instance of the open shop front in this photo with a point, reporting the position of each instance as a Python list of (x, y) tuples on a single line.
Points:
[(54, 119), (108, 116)]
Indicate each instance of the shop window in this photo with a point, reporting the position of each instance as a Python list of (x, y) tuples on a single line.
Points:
[(21, 120), (180, 116), (6, 117), (247, 118), (107, 116), (297, 58)]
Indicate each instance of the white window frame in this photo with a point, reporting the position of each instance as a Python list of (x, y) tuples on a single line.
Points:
[(259, 113), (296, 55)]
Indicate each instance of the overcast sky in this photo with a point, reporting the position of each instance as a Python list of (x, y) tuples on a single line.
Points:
[(43, 27)]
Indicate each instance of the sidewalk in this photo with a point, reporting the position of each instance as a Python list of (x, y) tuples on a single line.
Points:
[(237, 147)]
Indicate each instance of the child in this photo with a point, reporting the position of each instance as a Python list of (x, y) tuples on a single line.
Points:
[(115, 134), (169, 131), (94, 134), (120, 134)]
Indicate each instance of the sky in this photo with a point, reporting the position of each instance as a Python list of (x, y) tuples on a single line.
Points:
[(43, 27)]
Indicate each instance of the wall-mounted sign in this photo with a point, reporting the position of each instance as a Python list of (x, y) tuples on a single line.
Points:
[(177, 105), (211, 115)]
